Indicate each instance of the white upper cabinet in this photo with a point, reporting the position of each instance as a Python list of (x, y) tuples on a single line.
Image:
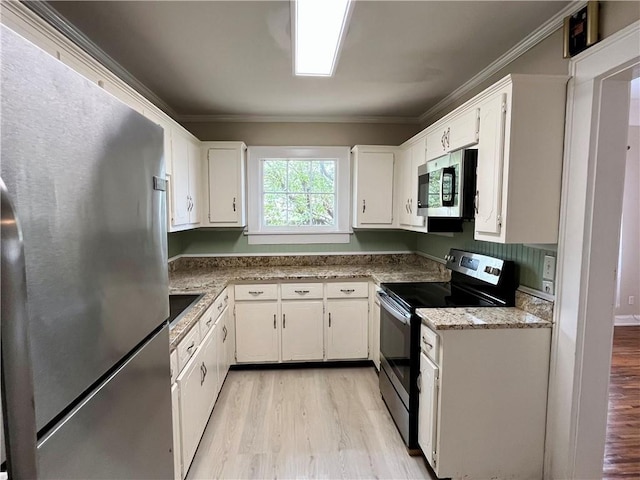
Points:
[(407, 171), (373, 186), (184, 182), (458, 131), (520, 160), (225, 185)]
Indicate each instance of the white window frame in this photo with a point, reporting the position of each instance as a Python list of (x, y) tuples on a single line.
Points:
[(338, 233)]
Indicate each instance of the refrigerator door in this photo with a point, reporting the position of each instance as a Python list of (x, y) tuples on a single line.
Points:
[(122, 429), (80, 165)]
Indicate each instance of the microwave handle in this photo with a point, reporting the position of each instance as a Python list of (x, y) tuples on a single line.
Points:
[(448, 172)]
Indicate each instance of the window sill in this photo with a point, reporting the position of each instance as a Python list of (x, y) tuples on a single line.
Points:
[(296, 238)]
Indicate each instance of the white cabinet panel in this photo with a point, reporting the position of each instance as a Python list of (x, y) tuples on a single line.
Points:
[(194, 181), (258, 291), (180, 181), (209, 365), (428, 411), (347, 290), (463, 130), (347, 329), (490, 165), (226, 184), (187, 346), (373, 187), (257, 331), (375, 337), (410, 160), (301, 291), (177, 450), (302, 332)]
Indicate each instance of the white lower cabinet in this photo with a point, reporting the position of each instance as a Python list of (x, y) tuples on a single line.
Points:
[(193, 406), (483, 399), (175, 413), (347, 329), (302, 337), (257, 331)]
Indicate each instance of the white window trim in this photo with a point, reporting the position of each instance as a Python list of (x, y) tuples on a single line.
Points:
[(338, 233)]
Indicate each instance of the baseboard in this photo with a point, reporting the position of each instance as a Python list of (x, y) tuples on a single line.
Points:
[(627, 320), (290, 365)]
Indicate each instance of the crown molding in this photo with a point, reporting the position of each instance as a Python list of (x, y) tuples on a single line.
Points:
[(535, 37), (47, 13), (295, 119)]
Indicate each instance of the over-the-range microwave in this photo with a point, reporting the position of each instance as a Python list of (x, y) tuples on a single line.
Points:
[(446, 188)]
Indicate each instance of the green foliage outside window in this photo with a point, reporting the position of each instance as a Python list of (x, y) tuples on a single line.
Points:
[(299, 192)]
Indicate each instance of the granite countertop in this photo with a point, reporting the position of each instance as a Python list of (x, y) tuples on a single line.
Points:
[(212, 281), (479, 318)]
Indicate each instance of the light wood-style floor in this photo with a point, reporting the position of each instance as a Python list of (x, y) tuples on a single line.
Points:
[(622, 448), (303, 423)]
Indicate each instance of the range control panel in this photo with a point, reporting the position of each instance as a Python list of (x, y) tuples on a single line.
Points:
[(482, 267)]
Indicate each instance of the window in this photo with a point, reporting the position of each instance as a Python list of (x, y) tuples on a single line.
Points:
[(298, 194)]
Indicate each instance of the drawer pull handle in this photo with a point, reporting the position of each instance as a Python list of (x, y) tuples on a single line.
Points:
[(284, 321), (301, 292), (255, 292), (220, 307), (209, 321), (226, 297), (190, 347), (347, 290), (274, 321), (329, 319), (224, 330), (424, 340)]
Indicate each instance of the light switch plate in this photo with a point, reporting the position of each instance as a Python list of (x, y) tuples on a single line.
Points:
[(547, 287), (549, 268)]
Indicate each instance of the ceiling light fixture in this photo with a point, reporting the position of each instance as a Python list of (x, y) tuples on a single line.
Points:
[(319, 28)]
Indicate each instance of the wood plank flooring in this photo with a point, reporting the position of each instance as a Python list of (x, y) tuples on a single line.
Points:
[(303, 423), (622, 449)]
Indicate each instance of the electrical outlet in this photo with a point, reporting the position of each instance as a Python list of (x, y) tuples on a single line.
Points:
[(547, 287), (632, 300), (549, 268)]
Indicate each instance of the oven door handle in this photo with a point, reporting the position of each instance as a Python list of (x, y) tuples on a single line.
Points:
[(393, 310)]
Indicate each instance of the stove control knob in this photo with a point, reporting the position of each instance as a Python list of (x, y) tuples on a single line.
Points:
[(487, 270)]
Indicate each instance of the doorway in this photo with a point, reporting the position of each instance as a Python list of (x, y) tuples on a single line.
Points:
[(593, 176)]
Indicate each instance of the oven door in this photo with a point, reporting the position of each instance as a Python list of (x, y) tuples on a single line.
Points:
[(395, 345)]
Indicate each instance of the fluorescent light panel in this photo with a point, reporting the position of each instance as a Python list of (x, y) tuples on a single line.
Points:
[(319, 27)]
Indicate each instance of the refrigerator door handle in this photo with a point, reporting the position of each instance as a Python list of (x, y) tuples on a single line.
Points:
[(17, 378)]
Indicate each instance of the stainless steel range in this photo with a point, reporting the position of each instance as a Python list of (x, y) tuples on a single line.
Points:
[(476, 281)]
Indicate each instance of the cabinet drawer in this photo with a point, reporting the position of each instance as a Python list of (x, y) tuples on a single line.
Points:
[(187, 347), (348, 290), (429, 343), (212, 314), (256, 292), (296, 291), (173, 361)]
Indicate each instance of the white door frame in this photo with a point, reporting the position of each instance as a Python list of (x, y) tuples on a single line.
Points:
[(593, 174)]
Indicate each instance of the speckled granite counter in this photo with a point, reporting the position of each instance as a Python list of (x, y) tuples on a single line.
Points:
[(211, 276), (479, 318)]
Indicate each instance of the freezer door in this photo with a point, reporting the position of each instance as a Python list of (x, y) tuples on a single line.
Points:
[(79, 165), (122, 429)]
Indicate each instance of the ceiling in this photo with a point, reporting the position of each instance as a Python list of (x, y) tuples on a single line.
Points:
[(234, 57)]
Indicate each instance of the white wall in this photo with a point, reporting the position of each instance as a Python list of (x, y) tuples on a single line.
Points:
[(629, 264)]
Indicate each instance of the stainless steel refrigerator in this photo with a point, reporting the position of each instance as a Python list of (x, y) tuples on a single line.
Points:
[(85, 204)]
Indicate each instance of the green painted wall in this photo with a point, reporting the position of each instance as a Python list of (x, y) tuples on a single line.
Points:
[(530, 260), (220, 241), (233, 241)]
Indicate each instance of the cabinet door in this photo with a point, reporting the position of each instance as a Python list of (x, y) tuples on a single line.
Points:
[(209, 364), (180, 181), (463, 130), (402, 167), (428, 407), (223, 352), (224, 167), (257, 332), (436, 143), (347, 327), (193, 406), (231, 339), (194, 186), (175, 412), (302, 337), (374, 189), (375, 325), (490, 164), (418, 157)]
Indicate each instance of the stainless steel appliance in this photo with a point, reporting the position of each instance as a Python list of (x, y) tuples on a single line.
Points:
[(87, 302), (476, 281), (446, 186)]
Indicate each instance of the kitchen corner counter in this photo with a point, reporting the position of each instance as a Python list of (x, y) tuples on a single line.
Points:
[(212, 280), (479, 318)]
